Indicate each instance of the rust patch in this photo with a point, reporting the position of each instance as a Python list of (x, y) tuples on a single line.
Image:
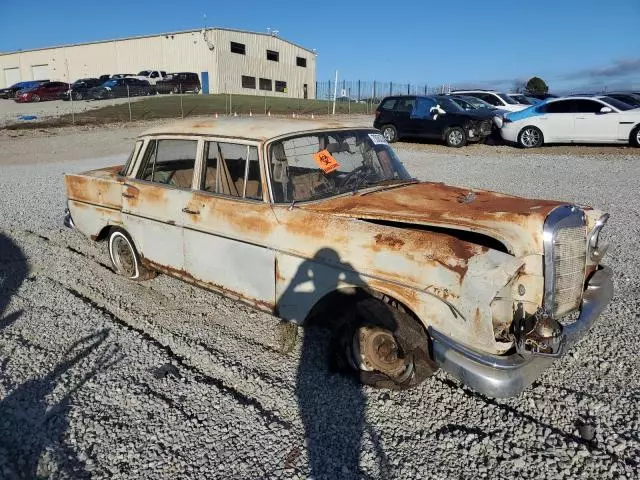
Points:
[(388, 241), (278, 275), (187, 277)]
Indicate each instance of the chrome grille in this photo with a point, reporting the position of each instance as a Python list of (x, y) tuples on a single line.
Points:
[(565, 252), (569, 257)]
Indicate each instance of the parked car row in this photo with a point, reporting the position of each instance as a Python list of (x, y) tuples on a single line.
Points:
[(466, 116), (146, 82)]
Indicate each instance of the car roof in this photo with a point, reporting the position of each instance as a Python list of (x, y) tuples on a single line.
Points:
[(251, 128)]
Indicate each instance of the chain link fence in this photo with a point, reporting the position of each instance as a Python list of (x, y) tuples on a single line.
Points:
[(372, 90)]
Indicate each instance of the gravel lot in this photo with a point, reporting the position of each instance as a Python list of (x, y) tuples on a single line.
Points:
[(10, 111), (101, 377)]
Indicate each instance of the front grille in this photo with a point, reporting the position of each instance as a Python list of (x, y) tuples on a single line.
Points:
[(569, 257), (565, 250)]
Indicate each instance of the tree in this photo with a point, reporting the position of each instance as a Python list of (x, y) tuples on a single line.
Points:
[(537, 86)]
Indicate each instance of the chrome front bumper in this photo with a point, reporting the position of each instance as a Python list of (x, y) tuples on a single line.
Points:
[(507, 376)]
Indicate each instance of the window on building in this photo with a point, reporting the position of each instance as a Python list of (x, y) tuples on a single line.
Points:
[(248, 82), (281, 86), (301, 62), (273, 55), (238, 48), (265, 84)]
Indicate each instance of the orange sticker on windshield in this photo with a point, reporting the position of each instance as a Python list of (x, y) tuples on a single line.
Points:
[(325, 161)]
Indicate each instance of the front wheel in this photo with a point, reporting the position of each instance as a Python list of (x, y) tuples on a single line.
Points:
[(455, 137), (78, 96), (530, 137), (35, 98), (389, 133), (634, 139), (383, 346), (125, 257)]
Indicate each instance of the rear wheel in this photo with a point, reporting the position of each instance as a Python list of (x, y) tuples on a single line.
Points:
[(390, 133), (78, 96), (634, 138), (530, 137), (456, 137), (35, 98), (384, 346), (125, 257)]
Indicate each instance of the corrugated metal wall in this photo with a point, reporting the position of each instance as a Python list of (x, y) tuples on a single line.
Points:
[(184, 51)]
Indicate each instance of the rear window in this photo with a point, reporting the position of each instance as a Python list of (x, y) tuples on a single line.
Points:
[(388, 104)]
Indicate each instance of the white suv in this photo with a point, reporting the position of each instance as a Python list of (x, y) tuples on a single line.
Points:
[(497, 99)]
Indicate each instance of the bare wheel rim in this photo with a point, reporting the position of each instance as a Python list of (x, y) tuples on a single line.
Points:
[(123, 256), (375, 348), (530, 137), (388, 134), (455, 137), (638, 137)]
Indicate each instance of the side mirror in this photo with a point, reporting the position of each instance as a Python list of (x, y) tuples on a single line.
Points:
[(606, 110)]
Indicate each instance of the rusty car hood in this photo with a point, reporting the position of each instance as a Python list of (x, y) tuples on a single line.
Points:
[(515, 221)]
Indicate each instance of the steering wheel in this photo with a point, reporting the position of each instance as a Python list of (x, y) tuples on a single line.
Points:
[(352, 180)]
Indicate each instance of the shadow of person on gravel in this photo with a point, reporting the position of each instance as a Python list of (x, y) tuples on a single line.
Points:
[(32, 426), (13, 271), (332, 406)]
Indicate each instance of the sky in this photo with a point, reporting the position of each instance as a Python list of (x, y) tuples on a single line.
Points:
[(571, 44)]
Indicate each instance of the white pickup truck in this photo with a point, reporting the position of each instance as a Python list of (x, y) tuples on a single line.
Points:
[(151, 76)]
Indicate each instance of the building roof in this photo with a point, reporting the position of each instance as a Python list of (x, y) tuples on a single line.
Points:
[(251, 128), (158, 35)]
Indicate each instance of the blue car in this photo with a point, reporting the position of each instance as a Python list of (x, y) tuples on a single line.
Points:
[(11, 92)]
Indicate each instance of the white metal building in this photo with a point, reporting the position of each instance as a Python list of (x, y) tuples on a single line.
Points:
[(227, 61)]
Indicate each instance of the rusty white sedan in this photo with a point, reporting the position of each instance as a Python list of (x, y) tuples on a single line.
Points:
[(320, 220)]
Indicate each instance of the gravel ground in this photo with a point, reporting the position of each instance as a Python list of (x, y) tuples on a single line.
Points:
[(101, 377), (10, 110)]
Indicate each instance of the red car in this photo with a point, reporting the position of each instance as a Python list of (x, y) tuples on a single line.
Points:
[(46, 91)]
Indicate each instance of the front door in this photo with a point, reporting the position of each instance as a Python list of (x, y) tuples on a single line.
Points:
[(154, 203), (593, 126), (229, 227)]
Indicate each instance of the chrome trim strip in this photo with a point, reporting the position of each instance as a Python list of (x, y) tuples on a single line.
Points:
[(507, 376), (565, 216)]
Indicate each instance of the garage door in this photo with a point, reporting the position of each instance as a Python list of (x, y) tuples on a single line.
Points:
[(40, 72), (11, 76)]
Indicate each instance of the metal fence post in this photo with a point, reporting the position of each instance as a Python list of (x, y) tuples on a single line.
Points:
[(374, 90), (358, 90), (181, 108), (129, 102), (390, 88)]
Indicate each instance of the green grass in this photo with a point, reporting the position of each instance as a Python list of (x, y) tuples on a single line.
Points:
[(168, 106)]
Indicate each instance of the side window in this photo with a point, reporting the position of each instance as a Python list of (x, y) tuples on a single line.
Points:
[(388, 104), (563, 106), (227, 167), (134, 154), (405, 105), (491, 99), (154, 75), (587, 106), (170, 162)]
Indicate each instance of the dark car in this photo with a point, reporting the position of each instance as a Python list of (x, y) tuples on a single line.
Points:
[(80, 88), (179, 83), (10, 92), (120, 87), (626, 97), (45, 91), (434, 117)]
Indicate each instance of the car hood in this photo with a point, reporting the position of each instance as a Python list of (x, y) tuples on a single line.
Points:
[(515, 221)]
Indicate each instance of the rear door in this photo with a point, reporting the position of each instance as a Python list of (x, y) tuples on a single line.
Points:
[(229, 225), (402, 112), (154, 202), (426, 123), (557, 121), (593, 126)]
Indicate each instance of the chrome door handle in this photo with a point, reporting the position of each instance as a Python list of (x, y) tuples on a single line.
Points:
[(192, 212)]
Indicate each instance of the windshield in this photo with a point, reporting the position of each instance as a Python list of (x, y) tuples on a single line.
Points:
[(326, 164), (110, 83), (144, 73), (463, 104), (623, 107), (449, 105), (476, 102), (507, 99)]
